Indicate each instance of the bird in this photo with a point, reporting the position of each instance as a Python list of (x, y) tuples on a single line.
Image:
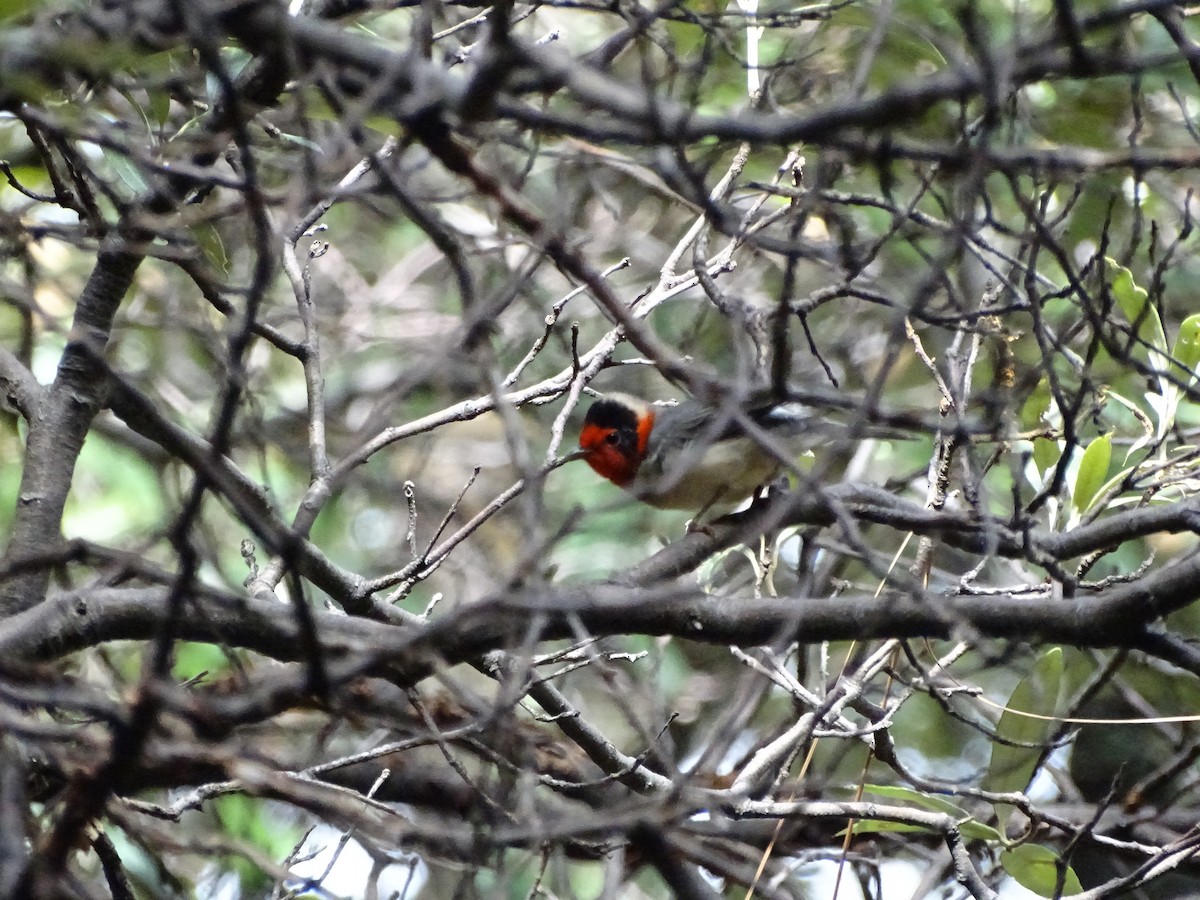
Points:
[(689, 456)]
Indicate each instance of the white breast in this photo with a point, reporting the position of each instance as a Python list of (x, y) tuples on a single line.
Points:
[(724, 475)]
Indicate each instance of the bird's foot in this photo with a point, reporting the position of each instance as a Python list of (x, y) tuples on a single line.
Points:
[(695, 526)]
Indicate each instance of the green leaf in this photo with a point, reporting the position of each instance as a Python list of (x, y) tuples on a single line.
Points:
[(969, 828), (1142, 419), (237, 813), (926, 801), (126, 170), (1035, 415), (1036, 405), (1035, 868), (209, 239), (250, 819), (1013, 764), (876, 826), (1135, 304), (1046, 454), (1093, 470), (977, 831), (1131, 298), (193, 659), (1187, 344), (160, 107)]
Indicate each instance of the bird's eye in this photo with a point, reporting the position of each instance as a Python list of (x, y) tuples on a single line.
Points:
[(612, 438)]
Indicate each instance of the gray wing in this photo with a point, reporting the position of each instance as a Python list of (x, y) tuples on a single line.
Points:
[(700, 425)]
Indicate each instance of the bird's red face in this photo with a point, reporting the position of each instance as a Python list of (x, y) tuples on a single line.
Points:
[(614, 438)]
